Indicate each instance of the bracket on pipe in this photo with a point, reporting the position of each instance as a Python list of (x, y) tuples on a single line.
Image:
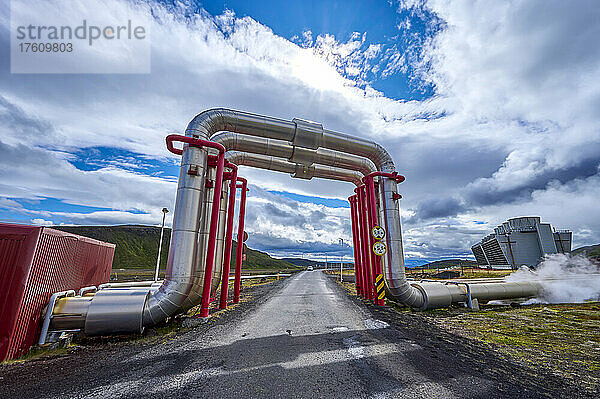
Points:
[(395, 176), (469, 299), (190, 141), (49, 311), (84, 290)]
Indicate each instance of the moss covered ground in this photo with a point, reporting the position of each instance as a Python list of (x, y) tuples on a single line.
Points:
[(564, 338)]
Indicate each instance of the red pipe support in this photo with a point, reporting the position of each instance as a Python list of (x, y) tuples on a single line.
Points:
[(371, 201), (228, 234), (365, 250), (372, 211), (214, 218), (240, 241), (355, 241)]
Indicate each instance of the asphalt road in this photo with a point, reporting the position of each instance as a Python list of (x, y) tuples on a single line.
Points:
[(307, 339)]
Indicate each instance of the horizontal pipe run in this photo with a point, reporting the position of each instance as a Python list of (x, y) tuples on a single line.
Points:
[(282, 165)]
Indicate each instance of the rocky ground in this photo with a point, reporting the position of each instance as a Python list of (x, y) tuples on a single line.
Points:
[(308, 337), (557, 345)]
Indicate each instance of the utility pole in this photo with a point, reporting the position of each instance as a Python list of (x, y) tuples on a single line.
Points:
[(342, 261), (162, 229)]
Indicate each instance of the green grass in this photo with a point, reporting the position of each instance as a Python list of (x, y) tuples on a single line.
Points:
[(137, 247), (563, 337), (589, 251)]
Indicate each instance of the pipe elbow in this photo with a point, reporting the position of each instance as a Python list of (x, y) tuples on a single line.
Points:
[(382, 159), (236, 157), (208, 122), (228, 140)]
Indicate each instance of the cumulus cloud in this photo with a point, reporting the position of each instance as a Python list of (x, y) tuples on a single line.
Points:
[(511, 128)]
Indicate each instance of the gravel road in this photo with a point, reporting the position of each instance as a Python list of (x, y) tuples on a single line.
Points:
[(303, 337)]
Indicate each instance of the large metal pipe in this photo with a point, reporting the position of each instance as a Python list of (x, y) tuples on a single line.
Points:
[(282, 149), (304, 136), (303, 144), (306, 140), (281, 165)]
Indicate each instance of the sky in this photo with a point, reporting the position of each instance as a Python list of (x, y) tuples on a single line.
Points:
[(490, 109)]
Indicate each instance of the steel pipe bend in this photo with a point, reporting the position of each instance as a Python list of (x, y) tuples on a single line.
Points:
[(210, 122)]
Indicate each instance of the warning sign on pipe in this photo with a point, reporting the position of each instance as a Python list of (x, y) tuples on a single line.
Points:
[(379, 248), (378, 232)]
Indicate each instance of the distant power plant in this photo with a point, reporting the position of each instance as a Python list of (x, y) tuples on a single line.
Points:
[(521, 241)]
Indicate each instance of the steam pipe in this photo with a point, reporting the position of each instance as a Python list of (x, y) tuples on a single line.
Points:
[(281, 165), (228, 234), (303, 144), (281, 149), (305, 137)]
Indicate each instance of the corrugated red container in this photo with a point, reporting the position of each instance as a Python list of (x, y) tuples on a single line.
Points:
[(36, 262)]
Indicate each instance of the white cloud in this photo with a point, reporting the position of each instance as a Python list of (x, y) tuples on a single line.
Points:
[(41, 222), (513, 127)]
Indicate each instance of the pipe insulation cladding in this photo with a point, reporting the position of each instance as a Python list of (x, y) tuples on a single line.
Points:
[(301, 148)]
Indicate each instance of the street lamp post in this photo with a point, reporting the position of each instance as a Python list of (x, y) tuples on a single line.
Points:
[(342, 261), (162, 229)]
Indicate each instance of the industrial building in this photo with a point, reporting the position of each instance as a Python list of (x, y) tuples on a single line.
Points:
[(521, 241), (35, 263)]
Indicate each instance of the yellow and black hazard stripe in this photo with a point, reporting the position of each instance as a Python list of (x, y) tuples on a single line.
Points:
[(380, 286)]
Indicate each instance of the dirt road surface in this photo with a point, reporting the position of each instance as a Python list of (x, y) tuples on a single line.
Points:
[(303, 337)]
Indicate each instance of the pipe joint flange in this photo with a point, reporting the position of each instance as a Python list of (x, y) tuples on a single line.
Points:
[(307, 134), (304, 156), (304, 172)]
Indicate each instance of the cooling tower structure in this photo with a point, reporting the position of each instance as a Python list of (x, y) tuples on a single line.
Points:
[(521, 241)]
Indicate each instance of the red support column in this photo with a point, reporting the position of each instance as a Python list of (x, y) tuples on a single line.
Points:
[(355, 242), (228, 234), (364, 231), (212, 238), (372, 211), (240, 241)]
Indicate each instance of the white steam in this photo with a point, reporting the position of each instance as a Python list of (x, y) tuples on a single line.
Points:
[(564, 279)]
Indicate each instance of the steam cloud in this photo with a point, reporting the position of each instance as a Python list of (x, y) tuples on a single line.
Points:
[(565, 279)]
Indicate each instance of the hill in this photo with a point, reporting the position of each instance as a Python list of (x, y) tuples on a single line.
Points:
[(447, 263), (137, 247), (591, 251), (300, 262)]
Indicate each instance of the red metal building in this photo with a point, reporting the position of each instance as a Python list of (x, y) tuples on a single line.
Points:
[(36, 262)]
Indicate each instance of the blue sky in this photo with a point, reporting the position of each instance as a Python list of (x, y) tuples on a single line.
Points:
[(469, 98)]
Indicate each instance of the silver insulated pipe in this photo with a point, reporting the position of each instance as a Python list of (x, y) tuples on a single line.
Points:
[(295, 170), (306, 144), (304, 139), (299, 147)]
